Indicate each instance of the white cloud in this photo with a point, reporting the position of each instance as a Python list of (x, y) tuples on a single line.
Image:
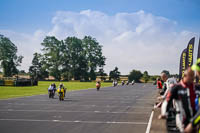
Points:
[(136, 40)]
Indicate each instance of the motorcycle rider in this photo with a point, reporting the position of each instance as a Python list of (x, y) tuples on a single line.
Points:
[(123, 82), (54, 88), (50, 90), (127, 83), (98, 85), (115, 83), (61, 86), (133, 82)]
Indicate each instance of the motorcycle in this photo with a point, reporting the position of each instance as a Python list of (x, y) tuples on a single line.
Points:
[(114, 84), (61, 94), (122, 83), (51, 94), (127, 83), (98, 86), (133, 82)]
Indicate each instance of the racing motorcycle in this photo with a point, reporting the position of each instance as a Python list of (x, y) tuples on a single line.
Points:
[(98, 85)]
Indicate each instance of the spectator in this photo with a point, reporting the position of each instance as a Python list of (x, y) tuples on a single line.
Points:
[(164, 78), (184, 96), (159, 84), (196, 119)]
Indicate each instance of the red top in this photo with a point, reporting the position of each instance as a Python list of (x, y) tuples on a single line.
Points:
[(159, 84), (192, 94)]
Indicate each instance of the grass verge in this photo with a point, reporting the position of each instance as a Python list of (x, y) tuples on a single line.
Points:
[(13, 92)]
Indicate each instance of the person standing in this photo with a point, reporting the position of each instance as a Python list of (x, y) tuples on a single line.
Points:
[(183, 94), (195, 121)]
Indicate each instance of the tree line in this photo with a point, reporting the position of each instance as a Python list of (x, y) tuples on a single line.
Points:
[(71, 58)]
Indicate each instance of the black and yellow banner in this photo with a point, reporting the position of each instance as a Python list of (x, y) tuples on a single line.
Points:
[(189, 54), (198, 53), (183, 66), (198, 56)]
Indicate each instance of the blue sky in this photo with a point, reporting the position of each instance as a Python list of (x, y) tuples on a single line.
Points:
[(28, 15), (147, 34)]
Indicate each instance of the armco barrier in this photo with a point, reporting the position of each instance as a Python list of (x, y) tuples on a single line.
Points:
[(23, 83), (1, 82), (8, 82)]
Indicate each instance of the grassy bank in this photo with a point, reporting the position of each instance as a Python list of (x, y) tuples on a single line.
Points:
[(12, 92)]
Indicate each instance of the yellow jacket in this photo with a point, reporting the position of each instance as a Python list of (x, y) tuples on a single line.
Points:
[(60, 90)]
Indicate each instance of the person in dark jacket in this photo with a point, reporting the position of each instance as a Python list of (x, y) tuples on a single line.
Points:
[(195, 121), (183, 95), (164, 78)]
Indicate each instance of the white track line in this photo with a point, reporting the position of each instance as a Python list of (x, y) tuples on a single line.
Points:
[(98, 100), (149, 123), (90, 105), (68, 111), (35, 100), (77, 121)]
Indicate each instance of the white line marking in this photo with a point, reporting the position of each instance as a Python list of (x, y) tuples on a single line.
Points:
[(67, 105), (96, 99), (88, 100), (93, 99), (149, 123), (77, 121), (56, 120), (68, 111)]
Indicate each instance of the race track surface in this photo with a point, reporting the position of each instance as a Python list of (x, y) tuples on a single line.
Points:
[(121, 109)]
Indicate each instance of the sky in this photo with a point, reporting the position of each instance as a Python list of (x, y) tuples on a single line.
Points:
[(135, 34)]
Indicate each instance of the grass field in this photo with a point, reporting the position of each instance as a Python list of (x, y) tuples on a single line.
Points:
[(12, 92)]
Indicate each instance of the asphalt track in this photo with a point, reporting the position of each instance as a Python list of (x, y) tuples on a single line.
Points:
[(121, 109)]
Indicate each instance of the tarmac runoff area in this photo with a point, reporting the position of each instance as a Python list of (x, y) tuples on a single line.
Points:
[(121, 109)]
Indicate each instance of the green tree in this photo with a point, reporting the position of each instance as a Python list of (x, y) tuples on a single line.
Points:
[(102, 74), (77, 58), (135, 75), (154, 77), (114, 74), (22, 72), (53, 50), (8, 57), (93, 54), (73, 57), (146, 76), (38, 71)]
